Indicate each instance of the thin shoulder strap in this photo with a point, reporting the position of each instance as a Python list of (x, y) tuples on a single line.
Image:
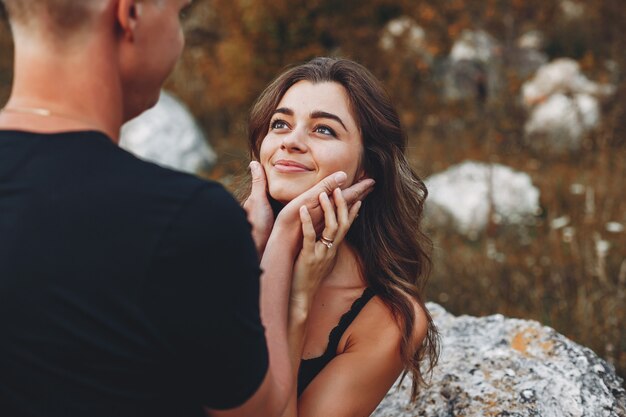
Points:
[(347, 319)]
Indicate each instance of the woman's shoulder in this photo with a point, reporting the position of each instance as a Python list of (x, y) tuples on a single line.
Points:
[(377, 322)]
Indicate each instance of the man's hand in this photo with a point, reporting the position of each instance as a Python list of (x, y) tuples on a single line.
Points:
[(258, 209)]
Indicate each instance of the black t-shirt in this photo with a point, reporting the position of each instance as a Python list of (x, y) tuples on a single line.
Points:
[(126, 289)]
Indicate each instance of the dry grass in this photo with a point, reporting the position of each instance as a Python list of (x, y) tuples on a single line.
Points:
[(560, 276)]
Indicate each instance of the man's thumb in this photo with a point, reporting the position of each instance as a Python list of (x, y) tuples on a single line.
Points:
[(258, 177), (333, 181)]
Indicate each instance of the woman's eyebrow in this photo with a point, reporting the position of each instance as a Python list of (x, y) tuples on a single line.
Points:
[(284, 110), (314, 115), (325, 115)]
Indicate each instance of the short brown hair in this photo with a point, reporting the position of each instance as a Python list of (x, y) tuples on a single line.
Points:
[(61, 14)]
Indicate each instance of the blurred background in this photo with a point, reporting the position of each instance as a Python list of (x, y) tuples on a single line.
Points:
[(516, 117)]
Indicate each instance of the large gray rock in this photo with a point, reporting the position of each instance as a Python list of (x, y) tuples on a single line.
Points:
[(168, 135), (497, 366)]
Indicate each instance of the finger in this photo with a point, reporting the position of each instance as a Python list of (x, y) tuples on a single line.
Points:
[(310, 199), (354, 211), (342, 212), (333, 181), (346, 216), (308, 242), (327, 185), (258, 180), (330, 218), (358, 191)]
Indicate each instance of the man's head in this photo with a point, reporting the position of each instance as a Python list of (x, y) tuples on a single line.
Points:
[(135, 43), (150, 42), (58, 15)]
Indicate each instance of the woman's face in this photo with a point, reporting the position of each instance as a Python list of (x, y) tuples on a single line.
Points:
[(312, 134)]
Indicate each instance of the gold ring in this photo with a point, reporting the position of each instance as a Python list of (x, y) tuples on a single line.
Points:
[(327, 242)]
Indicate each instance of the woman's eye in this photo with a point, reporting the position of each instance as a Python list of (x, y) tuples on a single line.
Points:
[(278, 124), (325, 130)]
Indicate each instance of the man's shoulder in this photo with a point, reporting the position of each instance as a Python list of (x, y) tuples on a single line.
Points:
[(148, 176), (114, 182), (164, 182), (131, 175)]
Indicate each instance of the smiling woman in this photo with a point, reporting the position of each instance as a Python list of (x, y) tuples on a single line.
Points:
[(310, 139), (366, 322)]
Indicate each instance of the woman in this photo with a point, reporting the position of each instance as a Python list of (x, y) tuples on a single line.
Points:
[(358, 318)]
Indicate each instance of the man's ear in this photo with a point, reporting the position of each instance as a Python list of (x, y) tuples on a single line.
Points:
[(128, 15)]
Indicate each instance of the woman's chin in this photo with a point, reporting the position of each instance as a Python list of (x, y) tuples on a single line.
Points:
[(284, 196), (281, 199)]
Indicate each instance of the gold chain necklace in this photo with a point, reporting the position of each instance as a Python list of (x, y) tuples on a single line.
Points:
[(37, 111), (44, 112)]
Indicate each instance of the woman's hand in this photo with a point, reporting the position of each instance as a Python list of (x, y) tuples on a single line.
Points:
[(317, 257), (258, 209)]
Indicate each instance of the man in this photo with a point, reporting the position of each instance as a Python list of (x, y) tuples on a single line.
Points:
[(126, 289)]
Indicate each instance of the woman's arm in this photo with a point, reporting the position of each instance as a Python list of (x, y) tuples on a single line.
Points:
[(315, 261), (277, 263)]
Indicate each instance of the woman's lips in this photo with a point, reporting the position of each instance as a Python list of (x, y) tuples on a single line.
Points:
[(286, 166)]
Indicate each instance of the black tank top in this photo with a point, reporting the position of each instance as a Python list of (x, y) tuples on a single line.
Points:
[(309, 368)]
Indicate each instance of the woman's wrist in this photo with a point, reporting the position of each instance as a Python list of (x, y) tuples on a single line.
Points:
[(299, 308)]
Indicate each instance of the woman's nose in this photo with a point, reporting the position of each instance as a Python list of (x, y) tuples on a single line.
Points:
[(294, 141)]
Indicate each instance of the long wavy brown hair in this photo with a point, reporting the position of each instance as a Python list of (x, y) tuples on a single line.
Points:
[(392, 249)]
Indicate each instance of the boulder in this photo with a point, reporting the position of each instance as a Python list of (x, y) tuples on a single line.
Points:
[(168, 135), (467, 196), (498, 366), (474, 67), (560, 123), (561, 76), (563, 106)]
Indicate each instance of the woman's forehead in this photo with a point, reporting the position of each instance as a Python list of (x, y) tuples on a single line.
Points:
[(305, 98), (305, 94)]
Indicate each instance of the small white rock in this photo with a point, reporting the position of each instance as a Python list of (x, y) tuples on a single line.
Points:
[(602, 248), (577, 189), (559, 222), (614, 227)]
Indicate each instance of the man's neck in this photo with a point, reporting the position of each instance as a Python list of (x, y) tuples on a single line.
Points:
[(77, 89)]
